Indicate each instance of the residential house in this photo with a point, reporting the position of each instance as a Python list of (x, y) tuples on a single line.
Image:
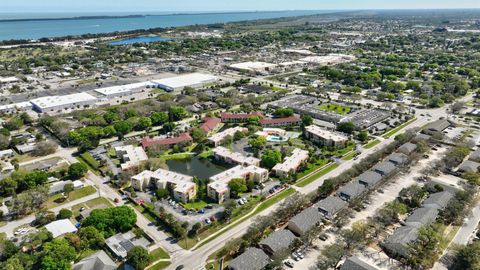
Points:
[(251, 259), (281, 122), (399, 159), (438, 200), (60, 227), (351, 191), (398, 243), (331, 206), (221, 137), (469, 166), (354, 263), (422, 217), (305, 221), (239, 117), (385, 168), (369, 179), (436, 127), (166, 142), (97, 261), (407, 148), (475, 156), (120, 244), (278, 242), (210, 124)]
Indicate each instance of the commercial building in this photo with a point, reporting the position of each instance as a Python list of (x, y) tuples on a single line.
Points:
[(177, 83), (219, 138), (124, 90), (260, 68), (291, 163), (166, 142), (436, 127), (325, 137), (182, 186), (16, 107), (60, 227), (239, 117), (223, 154), (251, 259), (330, 59), (218, 188), (131, 156), (59, 103)]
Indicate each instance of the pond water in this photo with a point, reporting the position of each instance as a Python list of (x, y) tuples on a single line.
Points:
[(144, 39), (194, 166)]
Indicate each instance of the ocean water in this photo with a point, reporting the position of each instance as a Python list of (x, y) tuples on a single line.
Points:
[(144, 39), (35, 29)]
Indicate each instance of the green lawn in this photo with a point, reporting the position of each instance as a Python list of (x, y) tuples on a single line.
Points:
[(90, 160), (195, 205), (316, 175), (339, 152), (349, 156), (206, 154), (336, 108), (74, 195), (93, 203), (312, 167), (177, 156), (390, 133), (371, 144), (158, 254), (159, 265)]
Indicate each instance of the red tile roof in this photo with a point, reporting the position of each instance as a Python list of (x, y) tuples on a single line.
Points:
[(286, 120), (227, 115), (184, 137), (210, 124)]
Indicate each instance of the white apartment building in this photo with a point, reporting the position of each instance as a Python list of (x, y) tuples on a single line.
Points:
[(223, 154), (218, 188), (291, 163), (219, 138), (182, 186), (131, 156), (325, 137)]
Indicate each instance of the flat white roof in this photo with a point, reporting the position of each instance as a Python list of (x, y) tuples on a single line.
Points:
[(60, 227), (328, 59), (228, 132), (293, 161), (325, 134), (57, 101), (20, 105), (182, 182), (234, 156), (186, 80), (220, 181), (112, 90), (252, 66), (9, 79), (131, 155)]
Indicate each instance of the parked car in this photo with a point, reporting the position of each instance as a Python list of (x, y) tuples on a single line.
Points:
[(289, 263), (207, 221), (323, 237), (201, 211), (209, 206)]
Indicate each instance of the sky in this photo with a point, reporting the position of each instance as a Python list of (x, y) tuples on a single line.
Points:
[(222, 5)]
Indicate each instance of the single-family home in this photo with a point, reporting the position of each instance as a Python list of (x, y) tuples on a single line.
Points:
[(305, 221), (251, 259), (331, 206), (278, 242)]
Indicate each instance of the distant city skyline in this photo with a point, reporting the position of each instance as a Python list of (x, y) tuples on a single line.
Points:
[(28, 6)]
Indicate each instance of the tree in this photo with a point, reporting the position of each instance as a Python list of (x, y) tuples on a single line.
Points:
[(424, 251), (330, 256), (363, 136), (4, 142), (122, 127), (283, 112), (138, 258), (112, 220), (176, 113), (270, 158), (198, 134), (64, 214), (195, 228), (45, 148), (346, 127), (258, 142), (57, 255), (237, 186), (162, 193), (91, 238), (144, 123), (467, 257), (77, 170), (307, 120), (14, 124), (159, 118)]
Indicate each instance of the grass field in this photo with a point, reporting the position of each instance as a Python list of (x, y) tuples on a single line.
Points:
[(158, 254), (312, 167), (90, 160), (390, 133), (349, 156), (74, 195), (316, 175), (93, 203), (336, 108), (371, 144), (159, 265), (195, 205)]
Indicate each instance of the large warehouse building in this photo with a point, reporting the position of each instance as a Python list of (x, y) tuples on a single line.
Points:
[(59, 103), (124, 90), (178, 83)]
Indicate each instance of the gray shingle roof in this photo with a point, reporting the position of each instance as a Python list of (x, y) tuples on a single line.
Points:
[(422, 217), (398, 158), (278, 241), (251, 259), (330, 206), (306, 220), (351, 191), (437, 126), (354, 263), (468, 166), (369, 178), (397, 243), (407, 148), (421, 137), (475, 156), (431, 186), (438, 200), (97, 261), (384, 168)]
